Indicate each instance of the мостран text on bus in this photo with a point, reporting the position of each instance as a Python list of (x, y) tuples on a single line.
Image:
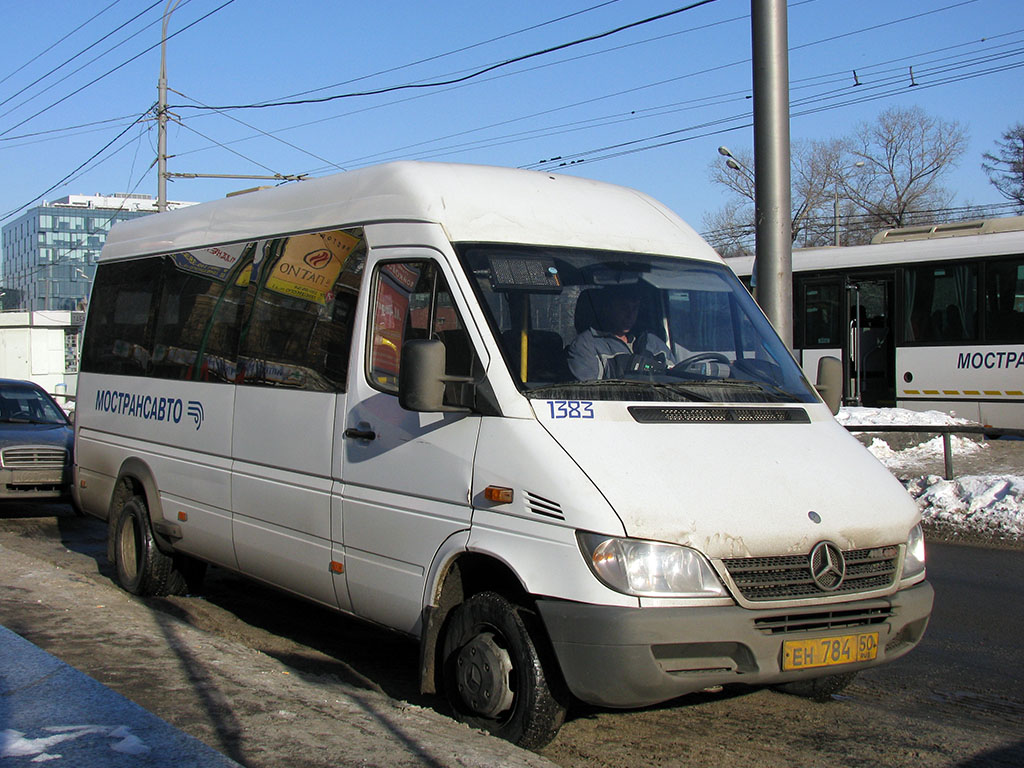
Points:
[(990, 360), (169, 409)]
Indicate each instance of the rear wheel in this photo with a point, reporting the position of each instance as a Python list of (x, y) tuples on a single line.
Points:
[(819, 689), (494, 677), (142, 568)]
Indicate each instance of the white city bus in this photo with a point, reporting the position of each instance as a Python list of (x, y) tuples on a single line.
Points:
[(360, 389), (941, 317)]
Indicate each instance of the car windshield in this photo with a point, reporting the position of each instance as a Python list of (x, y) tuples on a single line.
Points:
[(600, 325), (27, 405)]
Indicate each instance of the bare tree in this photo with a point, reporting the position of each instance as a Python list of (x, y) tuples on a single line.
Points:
[(729, 230), (1005, 167), (906, 153)]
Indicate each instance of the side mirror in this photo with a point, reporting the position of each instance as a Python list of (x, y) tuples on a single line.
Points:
[(421, 377), (830, 382)]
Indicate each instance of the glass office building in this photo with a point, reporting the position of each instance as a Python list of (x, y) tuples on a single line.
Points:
[(49, 252)]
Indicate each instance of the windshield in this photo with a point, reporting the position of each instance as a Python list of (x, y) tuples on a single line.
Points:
[(600, 325), (27, 405)]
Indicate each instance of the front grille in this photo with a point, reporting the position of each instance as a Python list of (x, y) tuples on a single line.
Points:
[(818, 621), (788, 577), (646, 414), (34, 457)]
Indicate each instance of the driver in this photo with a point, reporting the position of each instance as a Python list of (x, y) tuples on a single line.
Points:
[(610, 349)]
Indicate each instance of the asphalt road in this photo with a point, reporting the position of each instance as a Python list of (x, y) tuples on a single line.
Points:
[(957, 700)]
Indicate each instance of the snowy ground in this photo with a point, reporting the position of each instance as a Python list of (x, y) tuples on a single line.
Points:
[(988, 505)]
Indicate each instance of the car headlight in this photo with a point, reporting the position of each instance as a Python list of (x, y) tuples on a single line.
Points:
[(913, 563), (649, 568)]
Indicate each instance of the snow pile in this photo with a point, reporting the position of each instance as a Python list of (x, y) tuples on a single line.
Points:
[(870, 417), (987, 505), (918, 454)]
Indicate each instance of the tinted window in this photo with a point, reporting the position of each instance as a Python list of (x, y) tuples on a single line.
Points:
[(819, 307), (276, 313), (121, 314), (301, 308), (1004, 300), (940, 303), (196, 335)]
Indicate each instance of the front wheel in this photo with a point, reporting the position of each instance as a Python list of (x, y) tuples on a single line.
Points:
[(142, 568), (493, 674)]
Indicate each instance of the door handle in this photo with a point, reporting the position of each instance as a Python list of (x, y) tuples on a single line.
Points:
[(360, 434)]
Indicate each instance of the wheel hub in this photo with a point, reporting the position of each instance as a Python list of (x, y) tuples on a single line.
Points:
[(483, 671)]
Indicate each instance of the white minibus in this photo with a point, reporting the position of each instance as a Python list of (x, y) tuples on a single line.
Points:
[(531, 420)]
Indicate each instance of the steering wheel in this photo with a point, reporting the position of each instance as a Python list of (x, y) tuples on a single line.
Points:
[(701, 357)]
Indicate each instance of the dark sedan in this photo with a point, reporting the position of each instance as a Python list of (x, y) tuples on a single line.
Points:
[(36, 442)]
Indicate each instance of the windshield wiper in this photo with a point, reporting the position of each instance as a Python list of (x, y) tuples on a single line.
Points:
[(684, 394), (777, 393)]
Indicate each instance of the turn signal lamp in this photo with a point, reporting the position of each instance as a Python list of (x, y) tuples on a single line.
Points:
[(498, 495)]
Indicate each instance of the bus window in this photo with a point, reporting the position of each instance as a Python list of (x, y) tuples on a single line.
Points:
[(120, 320), (301, 310), (196, 335), (940, 303), (1004, 300), (820, 309), (413, 301)]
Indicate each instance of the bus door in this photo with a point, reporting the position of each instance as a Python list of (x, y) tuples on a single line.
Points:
[(870, 355)]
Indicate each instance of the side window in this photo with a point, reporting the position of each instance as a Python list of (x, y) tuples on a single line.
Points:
[(412, 301), (121, 316), (819, 307), (1004, 300), (301, 306), (198, 320), (940, 303)]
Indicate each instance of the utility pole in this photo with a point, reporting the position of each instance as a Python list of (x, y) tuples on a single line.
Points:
[(772, 203), (161, 114), (161, 120)]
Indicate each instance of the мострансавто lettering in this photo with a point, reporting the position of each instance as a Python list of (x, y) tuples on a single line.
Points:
[(141, 406), (990, 360)]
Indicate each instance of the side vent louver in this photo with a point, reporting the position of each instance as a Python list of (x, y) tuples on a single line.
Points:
[(541, 506)]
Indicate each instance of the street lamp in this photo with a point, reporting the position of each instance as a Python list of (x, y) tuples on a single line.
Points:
[(736, 165)]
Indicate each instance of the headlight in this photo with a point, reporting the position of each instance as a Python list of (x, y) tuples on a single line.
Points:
[(651, 568), (913, 563)]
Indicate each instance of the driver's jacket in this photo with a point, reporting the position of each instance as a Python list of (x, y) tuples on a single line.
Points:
[(595, 354)]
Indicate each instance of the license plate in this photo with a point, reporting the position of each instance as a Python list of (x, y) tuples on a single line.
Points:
[(36, 476), (829, 651)]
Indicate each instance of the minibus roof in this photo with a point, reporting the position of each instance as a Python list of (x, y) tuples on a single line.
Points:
[(471, 203)]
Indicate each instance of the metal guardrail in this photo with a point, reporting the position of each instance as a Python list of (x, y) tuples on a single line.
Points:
[(945, 430)]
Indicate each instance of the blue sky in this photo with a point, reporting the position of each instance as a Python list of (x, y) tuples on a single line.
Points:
[(682, 82)]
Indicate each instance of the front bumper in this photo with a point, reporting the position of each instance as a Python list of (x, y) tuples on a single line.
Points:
[(632, 657)]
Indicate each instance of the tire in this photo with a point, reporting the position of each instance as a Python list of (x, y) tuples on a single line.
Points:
[(818, 689), (142, 569), (493, 675)]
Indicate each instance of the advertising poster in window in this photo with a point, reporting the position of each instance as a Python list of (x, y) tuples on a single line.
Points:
[(211, 263), (388, 324), (310, 265)]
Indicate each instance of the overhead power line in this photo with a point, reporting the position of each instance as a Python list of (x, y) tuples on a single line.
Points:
[(96, 154), (58, 42), (72, 58), (456, 80), (115, 69)]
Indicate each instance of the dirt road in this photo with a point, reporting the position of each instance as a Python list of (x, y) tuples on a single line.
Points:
[(272, 681)]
